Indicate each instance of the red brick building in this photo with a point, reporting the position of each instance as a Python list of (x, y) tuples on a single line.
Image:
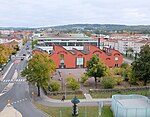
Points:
[(77, 59)]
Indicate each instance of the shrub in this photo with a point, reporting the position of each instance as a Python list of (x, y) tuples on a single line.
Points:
[(118, 79), (54, 86), (86, 83), (117, 71), (84, 78), (124, 65), (72, 83), (108, 82)]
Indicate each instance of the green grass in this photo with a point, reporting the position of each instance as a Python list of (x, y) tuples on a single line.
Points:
[(106, 112), (109, 94), (68, 97), (67, 111)]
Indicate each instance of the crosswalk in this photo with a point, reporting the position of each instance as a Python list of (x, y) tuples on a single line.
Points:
[(13, 81)]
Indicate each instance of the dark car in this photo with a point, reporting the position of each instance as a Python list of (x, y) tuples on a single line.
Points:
[(22, 59), (24, 54)]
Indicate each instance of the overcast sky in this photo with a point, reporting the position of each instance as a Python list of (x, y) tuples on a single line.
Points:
[(38, 13)]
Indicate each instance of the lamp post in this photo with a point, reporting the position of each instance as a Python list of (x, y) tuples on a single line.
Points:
[(65, 90), (75, 101)]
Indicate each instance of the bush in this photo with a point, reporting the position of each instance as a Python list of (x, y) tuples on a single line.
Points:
[(108, 82), (86, 83), (124, 65), (54, 86), (118, 79), (117, 71), (84, 78), (72, 83)]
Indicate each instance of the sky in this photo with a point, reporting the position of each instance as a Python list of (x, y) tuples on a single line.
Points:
[(45, 13)]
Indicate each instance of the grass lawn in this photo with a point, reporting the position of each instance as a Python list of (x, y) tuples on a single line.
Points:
[(68, 97), (67, 111), (109, 94)]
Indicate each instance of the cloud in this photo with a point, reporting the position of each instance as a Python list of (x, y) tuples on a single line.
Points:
[(35, 13)]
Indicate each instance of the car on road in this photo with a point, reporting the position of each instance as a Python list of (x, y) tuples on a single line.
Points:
[(24, 54), (22, 59)]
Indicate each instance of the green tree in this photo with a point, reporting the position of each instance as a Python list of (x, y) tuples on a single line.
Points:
[(39, 70), (54, 85), (124, 65), (72, 83), (129, 50), (141, 67), (34, 43), (96, 68)]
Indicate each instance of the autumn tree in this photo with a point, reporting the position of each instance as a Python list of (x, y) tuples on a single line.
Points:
[(96, 68), (141, 67), (39, 70)]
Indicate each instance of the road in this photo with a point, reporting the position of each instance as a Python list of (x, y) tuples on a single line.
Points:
[(19, 93)]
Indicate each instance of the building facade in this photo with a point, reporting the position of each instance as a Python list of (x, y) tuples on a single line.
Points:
[(74, 58)]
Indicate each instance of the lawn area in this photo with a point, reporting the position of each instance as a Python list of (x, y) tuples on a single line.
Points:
[(68, 97), (109, 94), (67, 111)]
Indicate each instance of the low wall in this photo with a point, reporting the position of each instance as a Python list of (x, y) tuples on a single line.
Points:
[(119, 90), (61, 93)]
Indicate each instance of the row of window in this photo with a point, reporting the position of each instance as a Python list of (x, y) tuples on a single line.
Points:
[(69, 43)]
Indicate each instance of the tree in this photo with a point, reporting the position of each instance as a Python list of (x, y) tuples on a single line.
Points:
[(96, 68), (39, 70), (141, 67), (129, 50), (34, 43), (5, 52), (88, 34), (72, 83)]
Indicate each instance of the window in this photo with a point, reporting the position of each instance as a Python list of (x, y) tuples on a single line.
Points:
[(79, 44), (71, 43), (62, 58), (116, 58)]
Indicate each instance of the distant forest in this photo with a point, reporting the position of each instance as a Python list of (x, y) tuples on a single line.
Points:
[(105, 28)]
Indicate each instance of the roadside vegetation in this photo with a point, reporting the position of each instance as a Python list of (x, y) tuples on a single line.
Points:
[(6, 51), (39, 70)]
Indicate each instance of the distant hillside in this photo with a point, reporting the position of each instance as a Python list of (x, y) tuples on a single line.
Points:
[(106, 27)]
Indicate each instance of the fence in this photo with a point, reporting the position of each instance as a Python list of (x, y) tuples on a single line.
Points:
[(120, 110)]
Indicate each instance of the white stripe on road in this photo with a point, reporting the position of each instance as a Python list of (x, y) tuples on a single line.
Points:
[(3, 77)]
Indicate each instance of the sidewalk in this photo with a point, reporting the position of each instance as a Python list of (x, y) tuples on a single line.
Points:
[(44, 100)]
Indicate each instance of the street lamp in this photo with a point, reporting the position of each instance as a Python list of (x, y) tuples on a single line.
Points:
[(65, 90), (75, 101)]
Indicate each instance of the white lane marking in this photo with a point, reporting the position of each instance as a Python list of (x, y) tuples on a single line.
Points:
[(7, 71), (22, 100)]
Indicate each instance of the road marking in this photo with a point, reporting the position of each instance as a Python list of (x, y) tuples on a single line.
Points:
[(7, 71), (19, 101)]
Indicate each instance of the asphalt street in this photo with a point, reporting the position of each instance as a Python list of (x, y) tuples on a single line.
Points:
[(19, 94)]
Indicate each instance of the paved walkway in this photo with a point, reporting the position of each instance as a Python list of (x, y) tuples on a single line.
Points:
[(44, 100), (63, 73)]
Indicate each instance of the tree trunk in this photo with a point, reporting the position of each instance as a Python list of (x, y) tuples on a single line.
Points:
[(145, 81), (95, 82), (38, 90)]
